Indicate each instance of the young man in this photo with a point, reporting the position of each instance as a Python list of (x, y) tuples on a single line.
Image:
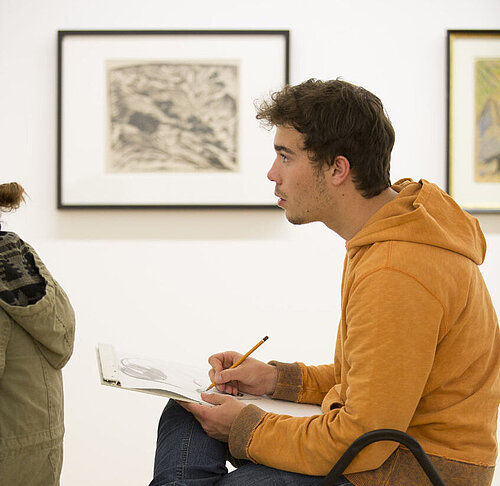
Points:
[(418, 345)]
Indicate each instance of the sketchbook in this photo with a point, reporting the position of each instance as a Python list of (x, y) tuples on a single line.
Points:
[(178, 381)]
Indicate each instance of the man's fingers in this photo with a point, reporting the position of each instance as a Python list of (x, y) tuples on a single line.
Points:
[(225, 376), (190, 407), (223, 360), (216, 363), (215, 398), (211, 374), (183, 405)]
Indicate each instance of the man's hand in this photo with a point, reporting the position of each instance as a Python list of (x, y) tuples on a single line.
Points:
[(216, 421), (251, 376)]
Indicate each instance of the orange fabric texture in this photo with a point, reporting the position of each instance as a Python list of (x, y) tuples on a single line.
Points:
[(418, 350)]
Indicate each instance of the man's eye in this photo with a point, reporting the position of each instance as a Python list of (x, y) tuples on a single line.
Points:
[(284, 158)]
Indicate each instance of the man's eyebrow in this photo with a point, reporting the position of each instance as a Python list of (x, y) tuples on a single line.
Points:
[(282, 148)]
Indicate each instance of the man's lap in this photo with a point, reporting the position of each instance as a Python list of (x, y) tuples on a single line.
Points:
[(186, 456)]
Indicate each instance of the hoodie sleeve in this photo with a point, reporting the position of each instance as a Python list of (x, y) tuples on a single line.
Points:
[(390, 348), (304, 384)]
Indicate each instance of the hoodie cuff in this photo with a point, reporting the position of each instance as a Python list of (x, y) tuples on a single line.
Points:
[(289, 383), (242, 429)]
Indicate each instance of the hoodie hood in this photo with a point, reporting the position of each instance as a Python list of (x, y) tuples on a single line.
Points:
[(34, 300), (423, 213)]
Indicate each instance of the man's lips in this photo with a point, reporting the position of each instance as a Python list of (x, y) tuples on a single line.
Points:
[(282, 200)]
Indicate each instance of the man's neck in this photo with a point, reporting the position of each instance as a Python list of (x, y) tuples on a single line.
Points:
[(352, 211)]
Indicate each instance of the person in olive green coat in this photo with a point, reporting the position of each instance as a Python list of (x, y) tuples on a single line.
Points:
[(37, 326)]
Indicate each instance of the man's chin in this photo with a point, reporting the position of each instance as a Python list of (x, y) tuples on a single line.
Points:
[(295, 219)]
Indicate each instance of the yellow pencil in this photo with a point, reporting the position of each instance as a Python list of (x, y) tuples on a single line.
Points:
[(243, 358)]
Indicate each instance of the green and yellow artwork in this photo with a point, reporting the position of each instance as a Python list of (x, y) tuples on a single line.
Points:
[(487, 106)]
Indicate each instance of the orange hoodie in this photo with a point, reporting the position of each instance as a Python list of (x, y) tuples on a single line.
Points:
[(418, 350)]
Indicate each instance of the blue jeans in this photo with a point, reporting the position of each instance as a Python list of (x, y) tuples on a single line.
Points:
[(187, 456)]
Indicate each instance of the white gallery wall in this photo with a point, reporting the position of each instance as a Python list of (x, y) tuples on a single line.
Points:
[(181, 284)]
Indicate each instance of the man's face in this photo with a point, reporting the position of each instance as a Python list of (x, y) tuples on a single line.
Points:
[(301, 188)]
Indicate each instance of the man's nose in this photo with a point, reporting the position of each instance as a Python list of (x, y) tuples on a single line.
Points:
[(272, 175)]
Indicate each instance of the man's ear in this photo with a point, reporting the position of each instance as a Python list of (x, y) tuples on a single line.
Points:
[(339, 171)]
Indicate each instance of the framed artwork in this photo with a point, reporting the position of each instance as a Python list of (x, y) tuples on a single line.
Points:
[(474, 119), (159, 119)]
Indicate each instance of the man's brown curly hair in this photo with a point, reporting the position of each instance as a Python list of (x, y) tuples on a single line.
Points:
[(337, 118)]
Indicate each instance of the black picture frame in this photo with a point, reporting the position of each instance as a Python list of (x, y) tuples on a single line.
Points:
[(165, 118)]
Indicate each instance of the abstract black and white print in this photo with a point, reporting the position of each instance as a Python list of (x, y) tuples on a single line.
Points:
[(172, 116)]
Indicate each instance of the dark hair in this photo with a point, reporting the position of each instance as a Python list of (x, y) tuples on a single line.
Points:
[(11, 196), (337, 118)]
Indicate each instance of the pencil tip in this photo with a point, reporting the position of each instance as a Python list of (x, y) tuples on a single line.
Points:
[(265, 338)]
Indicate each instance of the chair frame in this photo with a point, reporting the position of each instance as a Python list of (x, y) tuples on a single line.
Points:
[(380, 435)]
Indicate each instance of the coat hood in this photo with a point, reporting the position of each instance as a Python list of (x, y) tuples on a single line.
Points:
[(423, 213), (34, 300)]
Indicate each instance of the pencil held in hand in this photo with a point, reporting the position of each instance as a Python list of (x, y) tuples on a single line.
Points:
[(243, 358)]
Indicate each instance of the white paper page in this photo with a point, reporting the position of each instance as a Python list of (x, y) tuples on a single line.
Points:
[(148, 373), (137, 372)]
